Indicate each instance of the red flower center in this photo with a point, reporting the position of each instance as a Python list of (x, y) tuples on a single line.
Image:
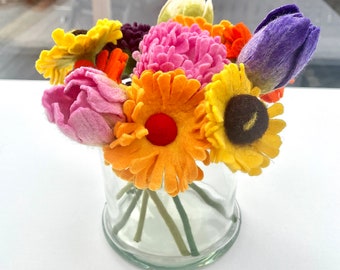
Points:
[(162, 129)]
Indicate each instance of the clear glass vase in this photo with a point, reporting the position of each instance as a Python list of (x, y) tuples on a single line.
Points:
[(156, 231)]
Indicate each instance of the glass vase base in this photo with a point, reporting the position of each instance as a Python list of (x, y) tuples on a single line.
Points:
[(146, 260)]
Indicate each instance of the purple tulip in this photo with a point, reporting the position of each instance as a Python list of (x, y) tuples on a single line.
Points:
[(281, 47), (86, 107)]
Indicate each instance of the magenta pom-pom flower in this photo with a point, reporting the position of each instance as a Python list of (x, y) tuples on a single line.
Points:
[(170, 45), (86, 107)]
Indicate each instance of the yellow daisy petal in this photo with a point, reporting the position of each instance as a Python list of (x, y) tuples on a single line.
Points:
[(275, 110), (248, 159), (276, 126), (269, 145)]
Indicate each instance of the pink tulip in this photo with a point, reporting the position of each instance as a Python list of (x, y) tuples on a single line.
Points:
[(87, 107)]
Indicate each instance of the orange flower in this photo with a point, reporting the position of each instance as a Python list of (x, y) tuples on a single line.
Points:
[(234, 37), (273, 96), (161, 139), (112, 63), (214, 30)]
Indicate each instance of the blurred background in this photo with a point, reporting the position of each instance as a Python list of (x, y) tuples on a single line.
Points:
[(26, 26)]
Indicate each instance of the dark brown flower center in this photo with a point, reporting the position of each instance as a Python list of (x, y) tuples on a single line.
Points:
[(79, 32), (245, 119)]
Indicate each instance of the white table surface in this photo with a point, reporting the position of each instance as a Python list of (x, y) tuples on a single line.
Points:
[(52, 195)]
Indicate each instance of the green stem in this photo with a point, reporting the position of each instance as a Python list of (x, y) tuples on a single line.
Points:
[(138, 235), (208, 200), (125, 189), (187, 227), (128, 212), (170, 223)]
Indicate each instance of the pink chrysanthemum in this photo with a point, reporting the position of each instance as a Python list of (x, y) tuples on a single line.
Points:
[(170, 45)]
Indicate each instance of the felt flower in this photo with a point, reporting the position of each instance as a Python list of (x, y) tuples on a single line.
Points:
[(213, 29), (161, 139), (192, 8), (234, 37), (240, 128), (132, 36), (170, 45), (72, 46), (280, 48), (87, 107), (111, 62), (273, 96)]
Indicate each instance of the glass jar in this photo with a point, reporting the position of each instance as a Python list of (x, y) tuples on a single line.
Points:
[(156, 231)]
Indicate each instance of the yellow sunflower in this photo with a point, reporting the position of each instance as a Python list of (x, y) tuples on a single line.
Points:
[(161, 140), (240, 127), (76, 45)]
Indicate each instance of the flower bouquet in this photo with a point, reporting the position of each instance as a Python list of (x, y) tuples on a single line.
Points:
[(177, 108)]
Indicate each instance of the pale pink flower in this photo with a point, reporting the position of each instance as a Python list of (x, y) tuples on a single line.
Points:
[(87, 107)]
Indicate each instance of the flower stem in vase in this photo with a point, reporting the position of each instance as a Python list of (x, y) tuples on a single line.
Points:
[(128, 212), (124, 190), (208, 200), (170, 223), (187, 227), (138, 235)]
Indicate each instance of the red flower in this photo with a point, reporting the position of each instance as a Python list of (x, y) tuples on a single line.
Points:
[(234, 38), (273, 96)]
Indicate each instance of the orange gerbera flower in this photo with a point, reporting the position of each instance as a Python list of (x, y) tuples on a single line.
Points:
[(161, 140)]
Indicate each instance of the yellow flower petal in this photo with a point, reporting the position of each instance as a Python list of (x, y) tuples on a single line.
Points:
[(276, 126), (275, 110), (269, 145), (248, 159)]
